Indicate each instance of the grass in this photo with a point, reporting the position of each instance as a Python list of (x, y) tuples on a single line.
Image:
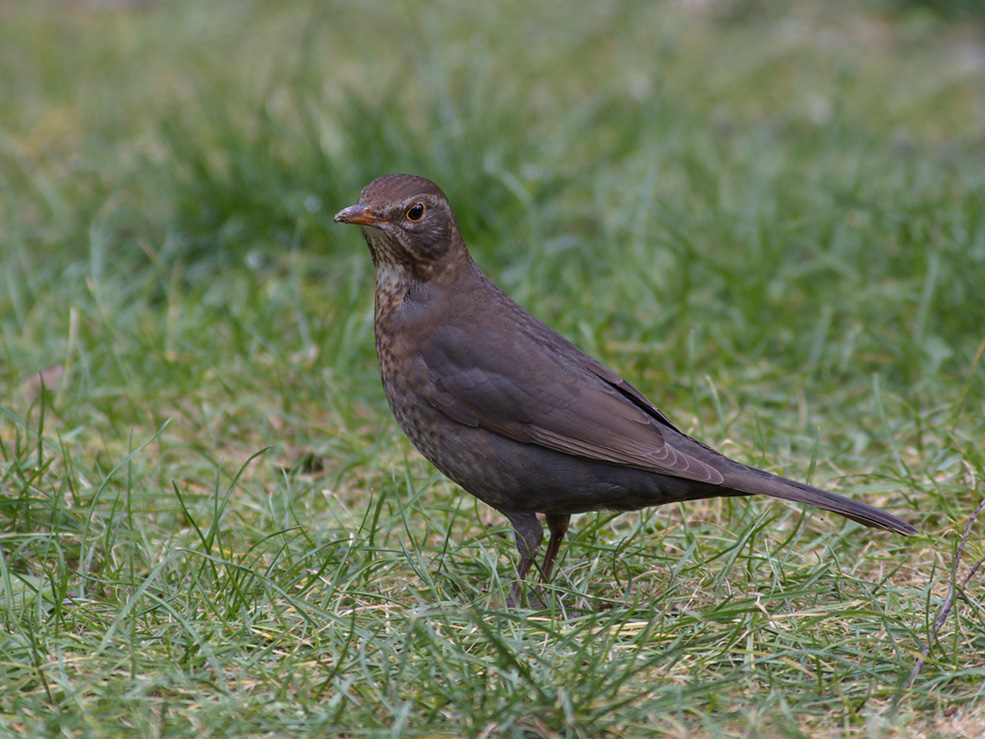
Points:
[(769, 219)]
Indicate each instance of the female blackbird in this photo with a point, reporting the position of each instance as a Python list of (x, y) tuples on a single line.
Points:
[(512, 411)]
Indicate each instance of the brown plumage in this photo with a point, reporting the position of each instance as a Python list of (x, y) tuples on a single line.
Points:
[(512, 411)]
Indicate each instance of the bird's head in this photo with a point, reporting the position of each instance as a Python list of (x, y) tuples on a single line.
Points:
[(407, 223)]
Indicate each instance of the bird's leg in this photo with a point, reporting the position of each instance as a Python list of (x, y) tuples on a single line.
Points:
[(529, 534), (559, 527)]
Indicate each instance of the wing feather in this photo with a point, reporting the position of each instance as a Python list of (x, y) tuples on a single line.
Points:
[(557, 397)]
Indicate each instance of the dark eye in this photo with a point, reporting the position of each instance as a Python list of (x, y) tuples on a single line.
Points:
[(415, 212)]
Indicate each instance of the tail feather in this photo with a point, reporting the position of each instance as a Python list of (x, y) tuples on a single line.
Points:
[(757, 482)]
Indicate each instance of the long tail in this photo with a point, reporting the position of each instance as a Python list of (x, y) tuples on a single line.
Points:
[(757, 482)]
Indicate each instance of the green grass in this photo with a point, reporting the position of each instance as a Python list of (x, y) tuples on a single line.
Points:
[(768, 217)]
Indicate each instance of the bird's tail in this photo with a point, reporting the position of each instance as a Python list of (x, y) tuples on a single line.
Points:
[(758, 482)]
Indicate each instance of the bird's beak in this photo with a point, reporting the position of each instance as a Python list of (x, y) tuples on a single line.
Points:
[(358, 215)]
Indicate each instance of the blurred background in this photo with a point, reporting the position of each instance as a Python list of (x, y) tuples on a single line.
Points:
[(790, 185), (674, 140)]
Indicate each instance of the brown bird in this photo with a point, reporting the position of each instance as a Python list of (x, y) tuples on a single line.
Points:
[(511, 410)]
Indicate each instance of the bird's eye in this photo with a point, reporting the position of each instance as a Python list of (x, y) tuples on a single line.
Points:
[(415, 212)]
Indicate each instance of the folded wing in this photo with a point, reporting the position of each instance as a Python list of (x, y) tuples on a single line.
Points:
[(557, 397)]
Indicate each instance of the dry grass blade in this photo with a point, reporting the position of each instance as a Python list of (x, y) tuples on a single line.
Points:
[(948, 603)]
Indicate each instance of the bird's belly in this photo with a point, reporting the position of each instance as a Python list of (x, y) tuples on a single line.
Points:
[(506, 474), (517, 477)]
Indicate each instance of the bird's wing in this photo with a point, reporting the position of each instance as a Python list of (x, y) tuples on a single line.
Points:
[(550, 393)]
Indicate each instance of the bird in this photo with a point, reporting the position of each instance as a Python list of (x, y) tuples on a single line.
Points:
[(515, 413)]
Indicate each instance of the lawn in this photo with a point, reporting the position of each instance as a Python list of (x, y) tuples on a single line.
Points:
[(768, 217)]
